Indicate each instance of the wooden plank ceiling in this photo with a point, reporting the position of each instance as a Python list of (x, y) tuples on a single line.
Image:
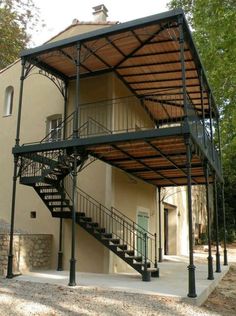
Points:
[(161, 162), (147, 59)]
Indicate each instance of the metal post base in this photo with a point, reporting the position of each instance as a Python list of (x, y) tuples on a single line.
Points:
[(225, 257), (218, 268), (10, 274), (210, 268), (191, 281), (72, 281), (59, 261), (160, 259), (146, 276)]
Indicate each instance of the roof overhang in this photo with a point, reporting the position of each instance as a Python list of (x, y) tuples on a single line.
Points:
[(144, 54)]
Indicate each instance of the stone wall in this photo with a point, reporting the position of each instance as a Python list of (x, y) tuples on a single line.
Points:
[(31, 252)]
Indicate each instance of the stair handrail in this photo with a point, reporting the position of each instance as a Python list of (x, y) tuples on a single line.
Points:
[(119, 214), (137, 234)]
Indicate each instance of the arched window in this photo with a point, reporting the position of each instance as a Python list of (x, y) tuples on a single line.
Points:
[(8, 103), (54, 127)]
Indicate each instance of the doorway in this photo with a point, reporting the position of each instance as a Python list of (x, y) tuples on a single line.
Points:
[(166, 232), (143, 222)]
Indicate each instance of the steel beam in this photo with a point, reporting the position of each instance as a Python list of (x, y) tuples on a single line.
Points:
[(144, 164)]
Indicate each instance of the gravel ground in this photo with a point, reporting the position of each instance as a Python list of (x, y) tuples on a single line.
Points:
[(25, 298), (19, 298)]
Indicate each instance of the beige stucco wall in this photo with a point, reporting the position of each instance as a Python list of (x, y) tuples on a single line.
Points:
[(36, 107)]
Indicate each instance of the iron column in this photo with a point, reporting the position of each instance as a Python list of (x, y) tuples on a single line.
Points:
[(72, 281), (191, 267), (224, 225), (77, 92), (60, 252), (223, 196), (210, 259), (160, 219), (10, 253), (218, 269)]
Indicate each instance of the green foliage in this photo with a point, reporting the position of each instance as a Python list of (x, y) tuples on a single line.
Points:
[(213, 25), (17, 19)]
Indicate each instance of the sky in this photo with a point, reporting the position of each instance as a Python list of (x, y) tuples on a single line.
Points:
[(59, 14)]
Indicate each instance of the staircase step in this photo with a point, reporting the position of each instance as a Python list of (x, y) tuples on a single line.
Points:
[(113, 240), (51, 193), (54, 182), (136, 258), (106, 235), (92, 224), (80, 214), (121, 246), (86, 219), (43, 186), (56, 200), (100, 230), (141, 264), (61, 214), (30, 180), (128, 252)]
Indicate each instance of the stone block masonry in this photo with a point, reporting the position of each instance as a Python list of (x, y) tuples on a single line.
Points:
[(31, 252)]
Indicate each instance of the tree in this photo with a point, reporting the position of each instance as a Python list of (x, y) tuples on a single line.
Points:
[(213, 28), (17, 19)]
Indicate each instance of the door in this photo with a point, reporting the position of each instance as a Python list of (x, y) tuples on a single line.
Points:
[(143, 222), (166, 232)]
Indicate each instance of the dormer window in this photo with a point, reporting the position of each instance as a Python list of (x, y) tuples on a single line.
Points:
[(8, 102)]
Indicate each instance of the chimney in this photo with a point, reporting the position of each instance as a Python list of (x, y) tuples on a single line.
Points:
[(100, 13)]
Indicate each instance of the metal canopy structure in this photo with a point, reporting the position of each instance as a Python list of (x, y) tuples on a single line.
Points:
[(155, 57), (144, 54)]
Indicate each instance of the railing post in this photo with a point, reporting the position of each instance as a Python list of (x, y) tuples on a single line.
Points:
[(218, 269), (210, 259)]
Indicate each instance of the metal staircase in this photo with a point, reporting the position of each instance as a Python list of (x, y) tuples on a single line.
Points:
[(49, 173)]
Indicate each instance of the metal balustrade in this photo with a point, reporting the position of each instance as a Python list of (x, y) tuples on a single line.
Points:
[(116, 223)]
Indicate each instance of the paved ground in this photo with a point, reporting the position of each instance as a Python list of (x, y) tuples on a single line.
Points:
[(18, 298), (173, 281)]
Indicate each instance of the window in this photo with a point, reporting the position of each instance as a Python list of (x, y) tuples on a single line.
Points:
[(8, 103), (54, 128)]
